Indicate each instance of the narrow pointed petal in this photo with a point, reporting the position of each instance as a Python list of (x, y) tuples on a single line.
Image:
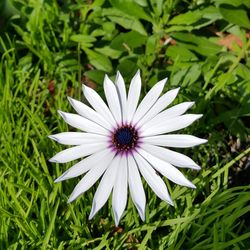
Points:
[(82, 123), (91, 177), (98, 104), (120, 191), (112, 99), (166, 169), (77, 138), (87, 112), (121, 89), (133, 96), (84, 165), (74, 153), (105, 187), (174, 140), (153, 179), (136, 187), (172, 157), (149, 100), (160, 105), (173, 124), (174, 111)]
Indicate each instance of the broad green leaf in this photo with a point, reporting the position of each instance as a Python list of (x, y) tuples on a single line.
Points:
[(107, 30), (98, 32), (157, 6), (97, 3), (143, 3), (178, 77), (95, 75), (129, 23), (126, 41), (107, 51), (186, 18), (243, 71), (192, 75), (79, 38), (211, 13), (108, 27), (181, 52), (127, 67), (233, 2), (98, 60), (129, 7), (223, 80), (200, 45), (194, 20), (152, 43), (235, 15)]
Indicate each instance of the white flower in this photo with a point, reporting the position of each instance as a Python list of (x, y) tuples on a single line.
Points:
[(125, 140)]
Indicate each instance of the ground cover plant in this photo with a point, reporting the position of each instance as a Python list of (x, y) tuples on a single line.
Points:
[(50, 48)]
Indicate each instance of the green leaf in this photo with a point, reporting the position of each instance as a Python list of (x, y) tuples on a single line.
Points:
[(233, 2), (82, 38), (186, 18), (178, 77), (200, 45), (143, 3), (243, 71), (192, 75), (151, 48), (95, 75), (130, 40), (235, 15), (98, 60), (181, 52), (129, 7), (107, 51), (129, 23), (127, 67), (157, 6), (195, 19), (223, 80)]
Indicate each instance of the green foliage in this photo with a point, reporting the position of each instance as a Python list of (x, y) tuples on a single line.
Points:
[(48, 48)]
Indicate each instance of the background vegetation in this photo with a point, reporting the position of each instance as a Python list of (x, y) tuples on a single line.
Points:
[(49, 48)]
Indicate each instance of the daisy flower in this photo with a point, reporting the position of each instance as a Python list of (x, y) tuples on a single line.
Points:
[(124, 140)]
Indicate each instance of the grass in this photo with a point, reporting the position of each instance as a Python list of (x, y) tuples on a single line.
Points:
[(49, 48)]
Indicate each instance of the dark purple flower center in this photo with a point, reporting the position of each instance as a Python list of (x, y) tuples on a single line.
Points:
[(125, 138)]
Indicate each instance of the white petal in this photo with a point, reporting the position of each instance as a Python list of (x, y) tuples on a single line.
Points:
[(112, 99), (153, 179), (91, 177), (174, 111), (160, 105), (133, 95), (98, 104), (120, 191), (175, 158), (77, 138), (87, 112), (105, 187), (173, 124), (74, 153), (166, 169), (84, 165), (175, 141), (121, 89), (149, 100), (136, 187), (82, 123)]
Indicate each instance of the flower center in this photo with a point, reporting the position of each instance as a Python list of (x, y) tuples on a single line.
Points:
[(125, 138)]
